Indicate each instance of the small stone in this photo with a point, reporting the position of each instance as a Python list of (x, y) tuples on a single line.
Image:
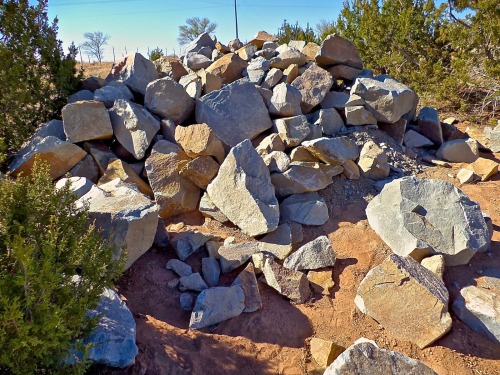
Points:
[(173, 284), (233, 256), (269, 144), (213, 248), (459, 151), (247, 52), (287, 58), (329, 119), (200, 171), (301, 179), (247, 281), (333, 151), (186, 300), (285, 101), (313, 84), (435, 264), (373, 162), (413, 139), (278, 243), (324, 352), (344, 72), (484, 168), (179, 267), (289, 283), (429, 124), (351, 170), (300, 154), (208, 208), (290, 73), (306, 208), (192, 85), (120, 169), (277, 161), (187, 243), (211, 271), (292, 130), (359, 115), (335, 99), (272, 78), (228, 68), (465, 176), (313, 255), (321, 281), (192, 282), (297, 232)]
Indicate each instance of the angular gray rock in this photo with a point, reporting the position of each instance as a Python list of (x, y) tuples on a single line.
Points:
[(81, 95), (313, 84), (287, 58), (202, 40), (292, 130), (358, 115), (78, 185), (192, 282), (135, 71), (111, 92), (210, 268), (419, 217), (233, 256), (336, 50), (179, 267), (429, 125), (86, 121), (235, 113), (134, 127), (413, 139), (329, 119), (368, 358), (87, 168), (402, 287), (285, 101), (459, 151), (306, 208), (387, 98), (167, 98), (215, 305), (334, 151), (278, 243), (186, 301), (289, 283), (187, 243), (301, 179), (373, 162), (244, 193), (277, 161), (247, 281), (344, 72), (192, 84), (196, 61), (493, 137), (208, 208), (311, 256), (335, 99)]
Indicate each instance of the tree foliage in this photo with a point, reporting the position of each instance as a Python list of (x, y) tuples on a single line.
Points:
[(53, 267), (155, 54), (94, 44), (36, 76), (195, 26), (288, 32)]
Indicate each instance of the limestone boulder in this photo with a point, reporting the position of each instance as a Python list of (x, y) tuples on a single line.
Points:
[(278, 243), (329, 119), (135, 71), (173, 193), (373, 162), (313, 84), (229, 68), (337, 50), (387, 98), (401, 287), (306, 208), (199, 140), (235, 113), (459, 151), (311, 256), (287, 58), (420, 217), (85, 121), (119, 169), (292, 130), (134, 127), (60, 156), (111, 92), (167, 98), (333, 151), (285, 101), (200, 171), (202, 40), (234, 255)]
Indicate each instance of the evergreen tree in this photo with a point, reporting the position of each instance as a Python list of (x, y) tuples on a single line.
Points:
[(288, 32)]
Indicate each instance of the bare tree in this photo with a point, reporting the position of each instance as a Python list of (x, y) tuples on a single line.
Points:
[(194, 27), (94, 43)]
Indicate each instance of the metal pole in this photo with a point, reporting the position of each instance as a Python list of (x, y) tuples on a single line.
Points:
[(114, 54), (236, 18)]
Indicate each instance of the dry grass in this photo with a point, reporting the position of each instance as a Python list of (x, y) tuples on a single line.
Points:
[(95, 69)]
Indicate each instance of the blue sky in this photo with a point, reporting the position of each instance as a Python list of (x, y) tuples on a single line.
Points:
[(139, 24)]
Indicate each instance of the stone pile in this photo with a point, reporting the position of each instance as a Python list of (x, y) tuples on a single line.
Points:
[(248, 135)]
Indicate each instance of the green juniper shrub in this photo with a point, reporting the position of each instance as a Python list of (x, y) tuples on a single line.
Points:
[(45, 242)]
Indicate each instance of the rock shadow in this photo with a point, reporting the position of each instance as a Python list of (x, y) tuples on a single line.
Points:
[(339, 267)]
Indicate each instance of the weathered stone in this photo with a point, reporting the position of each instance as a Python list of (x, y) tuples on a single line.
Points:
[(359, 115), (277, 161), (86, 120), (173, 193), (278, 243), (401, 287), (186, 301), (395, 130), (465, 176), (290, 73), (200, 171), (211, 271), (247, 52), (292, 130), (53, 128), (297, 44), (316, 131), (202, 40), (187, 243), (368, 358), (387, 98), (307, 208), (87, 168), (321, 281), (209, 82), (247, 281), (196, 61), (192, 85), (310, 50), (266, 95), (199, 140), (170, 66), (418, 217), (351, 170), (344, 72), (162, 239), (335, 99), (101, 153), (289, 283), (413, 139), (167, 129), (229, 68), (233, 256), (493, 138), (324, 352), (213, 248), (120, 169), (311, 256), (91, 83), (261, 37), (272, 142), (313, 84), (300, 154), (373, 162), (167, 98), (134, 127), (208, 208), (135, 71), (484, 168), (192, 282), (179, 267), (297, 232), (285, 101), (235, 45), (129, 220), (272, 78), (435, 264), (244, 181), (287, 58), (81, 96), (111, 92), (337, 50), (300, 179), (78, 185), (329, 119), (429, 124), (333, 151), (60, 156), (459, 151), (355, 100), (479, 306), (215, 305), (258, 261), (235, 113)]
